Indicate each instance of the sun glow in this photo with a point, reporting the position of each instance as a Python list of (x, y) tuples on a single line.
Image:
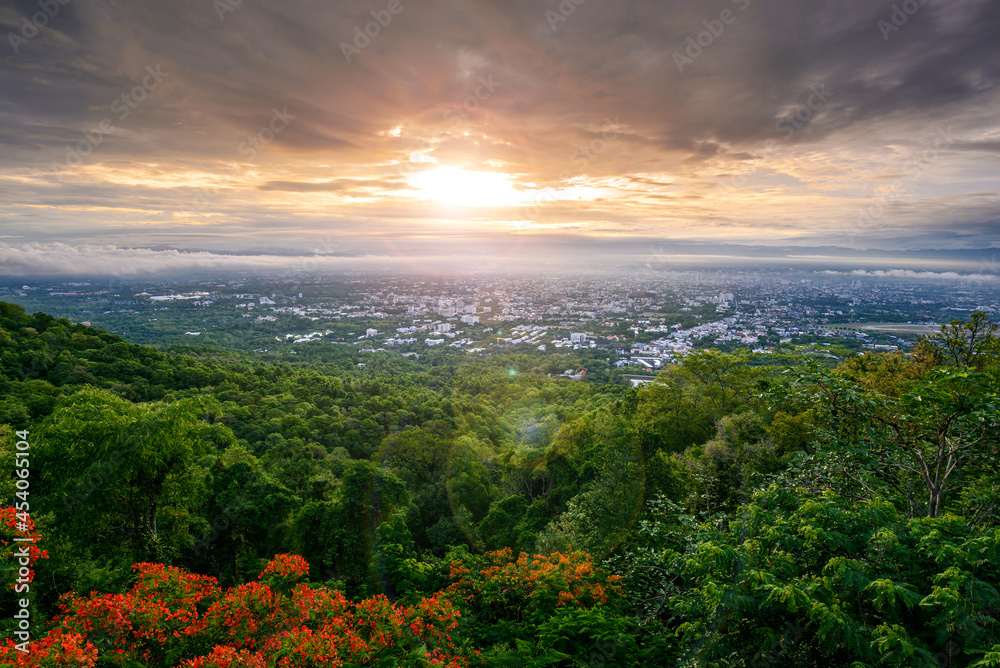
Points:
[(459, 187)]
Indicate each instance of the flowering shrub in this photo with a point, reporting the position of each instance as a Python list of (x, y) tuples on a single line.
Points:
[(284, 571), (530, 589), (56, 650), (9, 521), (156, 620), (246, 615), (227, 657), (556, 609), (173, 618)]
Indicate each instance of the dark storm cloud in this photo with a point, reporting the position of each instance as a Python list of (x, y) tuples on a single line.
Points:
[(604, 59), (524, 84)]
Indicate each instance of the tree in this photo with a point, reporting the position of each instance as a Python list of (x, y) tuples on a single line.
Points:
[(599, 517), (109, 465), (726, 469), (922, 444), (969, 344), (400, 573), (724, 380), (668, 415), (369, 496), (243, 513), (801, 579)]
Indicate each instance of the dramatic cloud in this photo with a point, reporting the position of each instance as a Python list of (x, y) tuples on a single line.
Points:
[(225, 126)]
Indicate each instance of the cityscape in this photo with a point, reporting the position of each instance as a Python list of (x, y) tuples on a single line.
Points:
[(640, 322)]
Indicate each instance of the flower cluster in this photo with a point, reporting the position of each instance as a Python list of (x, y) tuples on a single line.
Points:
[(286, 566), (174, 618), (170, 617), (58, 648), (10, 519), (530, 588)]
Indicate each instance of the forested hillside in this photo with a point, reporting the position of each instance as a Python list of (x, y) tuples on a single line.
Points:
[(196, 508)]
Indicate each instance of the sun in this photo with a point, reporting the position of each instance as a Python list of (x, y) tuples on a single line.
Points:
[(460, 187)]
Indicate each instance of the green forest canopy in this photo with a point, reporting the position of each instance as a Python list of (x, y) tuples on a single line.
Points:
[(748, 509)]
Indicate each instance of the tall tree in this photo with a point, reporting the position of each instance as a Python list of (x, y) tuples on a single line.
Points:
[(922, 444), (972, 344), (106, 464)]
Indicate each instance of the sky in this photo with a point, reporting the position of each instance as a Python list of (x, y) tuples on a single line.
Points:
[(148, 134)]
